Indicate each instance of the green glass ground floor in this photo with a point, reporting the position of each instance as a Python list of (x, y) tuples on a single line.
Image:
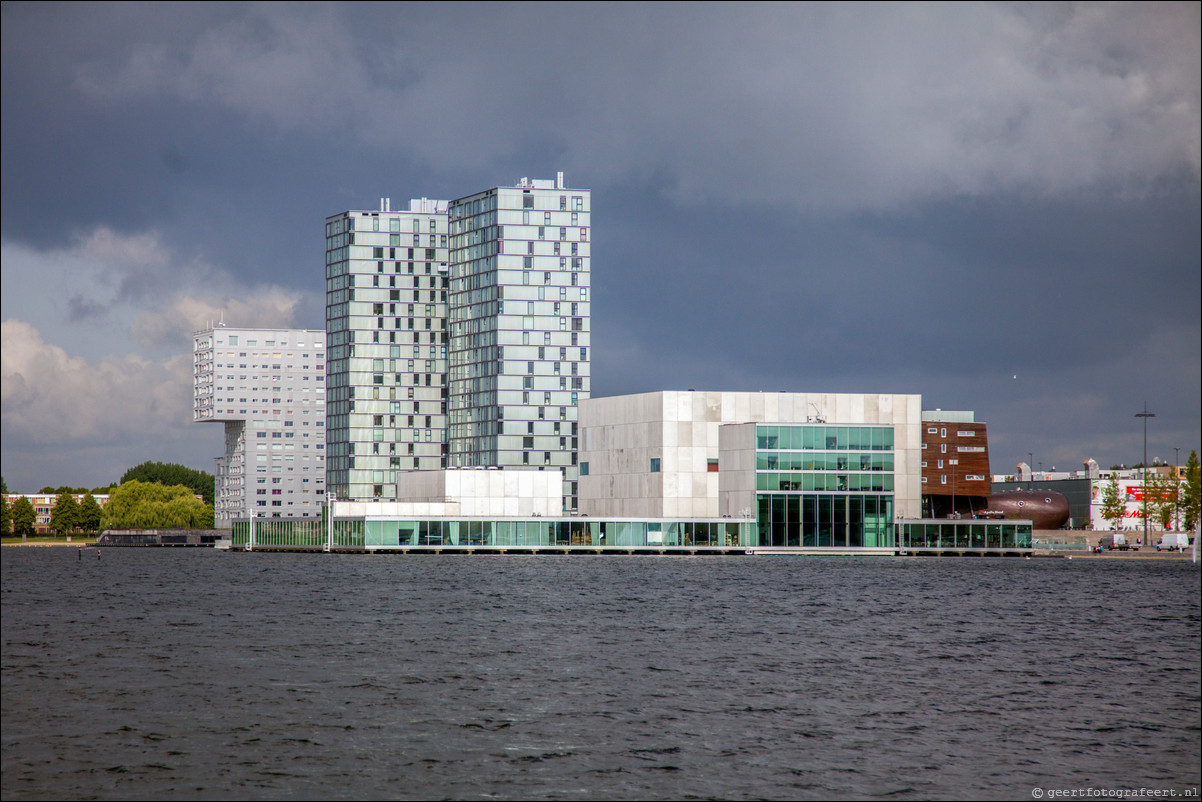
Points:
[(833, 529), (825, 520), (965, 535), (384, 533)]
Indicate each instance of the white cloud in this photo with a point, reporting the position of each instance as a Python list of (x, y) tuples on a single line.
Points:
[(71, 420), (843, 107), (97, 356), (270, 307), (53, 399)]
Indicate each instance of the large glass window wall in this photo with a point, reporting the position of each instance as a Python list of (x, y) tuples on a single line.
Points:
[(267, 532), (824, 520), (834, 482), (557, 532), (824, 438), (966, 535), (825, 486)]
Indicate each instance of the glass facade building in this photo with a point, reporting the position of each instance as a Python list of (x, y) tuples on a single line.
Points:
[(965, 535), (825, 486), (389, 534), (519, 328), (386, 312), (393, 534)]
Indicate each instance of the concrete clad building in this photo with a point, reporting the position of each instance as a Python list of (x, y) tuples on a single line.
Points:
[(267, 386), (810, 467), (520, 346), (468, 493), (386, 311)]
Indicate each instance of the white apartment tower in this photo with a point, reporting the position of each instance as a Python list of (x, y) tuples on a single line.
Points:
[(386, 312), (519, 327), (268, 387)]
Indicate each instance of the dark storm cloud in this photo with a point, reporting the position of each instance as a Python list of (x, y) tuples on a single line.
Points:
[(895, 198), (81, 308)]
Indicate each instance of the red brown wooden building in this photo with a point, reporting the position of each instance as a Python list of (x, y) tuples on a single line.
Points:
[(955, 463)]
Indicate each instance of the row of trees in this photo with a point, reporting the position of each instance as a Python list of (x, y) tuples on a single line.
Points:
[(153, 495), (165, 473), (133, 505), (77, 491)]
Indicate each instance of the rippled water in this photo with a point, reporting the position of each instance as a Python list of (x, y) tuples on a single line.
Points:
[(158, 673)]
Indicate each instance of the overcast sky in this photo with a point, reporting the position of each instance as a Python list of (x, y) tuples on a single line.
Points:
[(996, 206)]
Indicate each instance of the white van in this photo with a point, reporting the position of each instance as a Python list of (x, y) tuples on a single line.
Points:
[(1115, 542), (1173, 541)]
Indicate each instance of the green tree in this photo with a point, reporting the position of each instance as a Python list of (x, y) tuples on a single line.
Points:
[(1159, 490), (169, 474), (6, 516), (65, 515), (149, 505), (1191, 499), (90, 514), (1114, 505), (24, 516)]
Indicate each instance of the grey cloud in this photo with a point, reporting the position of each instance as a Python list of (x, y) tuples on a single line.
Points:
[(843, 108), (79, 308), (984, 190)]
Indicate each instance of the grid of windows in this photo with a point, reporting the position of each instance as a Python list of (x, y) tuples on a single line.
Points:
[(825, 486), (387, 285), (267, 387), (519, 334)]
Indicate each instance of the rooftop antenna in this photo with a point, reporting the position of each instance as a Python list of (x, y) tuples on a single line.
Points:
[(222, 323)]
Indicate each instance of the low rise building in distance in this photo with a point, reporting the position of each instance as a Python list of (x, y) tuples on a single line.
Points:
[(1084, 490), (267, 386)]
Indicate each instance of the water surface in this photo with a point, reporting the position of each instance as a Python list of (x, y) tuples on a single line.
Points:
[(202, 674)]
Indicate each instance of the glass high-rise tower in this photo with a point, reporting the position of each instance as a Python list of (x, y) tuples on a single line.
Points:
[(386, 311), (518, 319)]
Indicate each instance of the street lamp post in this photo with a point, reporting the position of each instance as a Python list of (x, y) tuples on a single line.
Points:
[(1176, 484), (1144, 470)]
